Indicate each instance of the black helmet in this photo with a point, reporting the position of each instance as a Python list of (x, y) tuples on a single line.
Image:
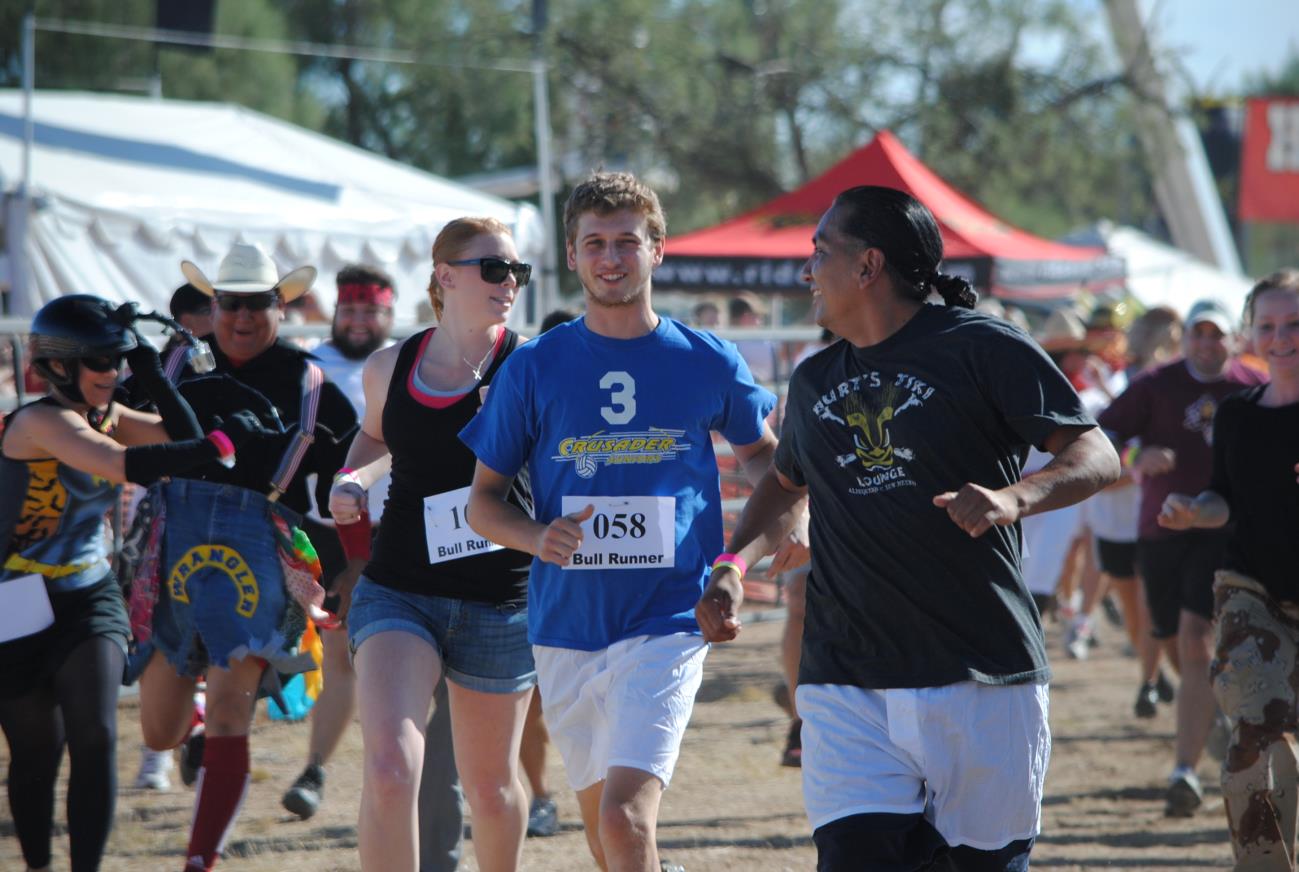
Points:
[(73, 327), (78, 325)]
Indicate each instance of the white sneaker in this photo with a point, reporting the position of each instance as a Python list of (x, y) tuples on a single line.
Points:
[(1078, 637), (154, 766)]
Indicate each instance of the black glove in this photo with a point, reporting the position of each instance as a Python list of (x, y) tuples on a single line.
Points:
[(242, 426), (125, 314), (145, 362)]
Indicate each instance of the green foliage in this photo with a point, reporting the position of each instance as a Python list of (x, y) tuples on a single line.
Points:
[(82, 62), (1018, 106), (1282, 83), (453, 116), (722, 104), (258, 80)]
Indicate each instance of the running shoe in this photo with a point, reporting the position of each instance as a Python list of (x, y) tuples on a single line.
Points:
[(1184, 793), (1111, 612), (1164, 687), (154, 766), (793, 754), (191, 756), (543, 817), (665, 866), (1147, 698), (303, 798), (1078, 638), (780, 696)]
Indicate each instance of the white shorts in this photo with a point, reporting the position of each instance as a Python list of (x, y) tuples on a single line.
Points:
[(971, 757), (1047, 536), (625, 705)]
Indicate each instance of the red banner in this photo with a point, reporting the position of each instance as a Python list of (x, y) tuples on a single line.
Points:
[(1269, 161)]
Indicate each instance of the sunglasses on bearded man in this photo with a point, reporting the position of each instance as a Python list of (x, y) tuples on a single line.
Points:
[(494, 269)]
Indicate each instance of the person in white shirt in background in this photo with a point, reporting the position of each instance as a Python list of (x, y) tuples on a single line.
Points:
[(763, 356), (362, 324)]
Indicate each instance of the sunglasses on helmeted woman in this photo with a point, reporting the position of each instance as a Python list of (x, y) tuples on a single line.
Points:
[(495, 269), (251, 302), (102, 362)]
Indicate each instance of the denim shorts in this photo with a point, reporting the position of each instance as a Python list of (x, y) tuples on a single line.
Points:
[(222, 595), (484, 647)]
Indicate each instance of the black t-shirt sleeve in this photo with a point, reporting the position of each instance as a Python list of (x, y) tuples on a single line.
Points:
[(786, 459), (1032, 395)]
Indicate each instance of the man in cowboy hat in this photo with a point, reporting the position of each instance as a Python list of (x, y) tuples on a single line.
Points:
[(278, 381)]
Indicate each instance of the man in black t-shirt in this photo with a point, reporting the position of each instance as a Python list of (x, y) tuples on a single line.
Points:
[(922, 650)]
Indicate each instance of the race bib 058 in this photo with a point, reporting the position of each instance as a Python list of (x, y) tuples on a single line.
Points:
[(625, 532)]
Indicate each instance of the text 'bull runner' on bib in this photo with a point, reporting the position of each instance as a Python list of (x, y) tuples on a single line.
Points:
[(447, 530), (625, 532)]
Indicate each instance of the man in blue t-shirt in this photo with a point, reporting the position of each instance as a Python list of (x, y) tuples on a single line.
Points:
[(610, 416)]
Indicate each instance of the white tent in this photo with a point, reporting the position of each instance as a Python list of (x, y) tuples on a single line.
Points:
[(1161, 275), (124, 188)]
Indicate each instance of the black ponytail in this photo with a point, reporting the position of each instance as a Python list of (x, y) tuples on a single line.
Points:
[(902, 228), (955, 290)]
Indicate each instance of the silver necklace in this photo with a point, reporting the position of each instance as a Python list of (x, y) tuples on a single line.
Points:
[(478, 370)]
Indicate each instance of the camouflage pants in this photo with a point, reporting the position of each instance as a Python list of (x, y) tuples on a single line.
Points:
[(1255, 675)]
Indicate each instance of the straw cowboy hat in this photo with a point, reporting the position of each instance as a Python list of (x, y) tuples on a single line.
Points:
[(248, 269), (1063, 331)]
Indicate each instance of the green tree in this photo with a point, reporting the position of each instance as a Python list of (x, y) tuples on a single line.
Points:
[(1019, 106), (721, 103), (258, 80), (451, 113)]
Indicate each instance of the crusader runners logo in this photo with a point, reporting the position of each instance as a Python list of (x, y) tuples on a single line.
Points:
[(588, 453)]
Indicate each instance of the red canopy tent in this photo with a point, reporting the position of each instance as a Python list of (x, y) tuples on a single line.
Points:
[(765, 249)]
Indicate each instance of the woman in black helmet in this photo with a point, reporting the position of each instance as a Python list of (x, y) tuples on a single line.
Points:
[(63, 626)]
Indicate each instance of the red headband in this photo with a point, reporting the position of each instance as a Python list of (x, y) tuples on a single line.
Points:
[(373, 294)]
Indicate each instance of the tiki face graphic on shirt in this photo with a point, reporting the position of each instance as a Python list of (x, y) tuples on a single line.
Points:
[(866, 408)]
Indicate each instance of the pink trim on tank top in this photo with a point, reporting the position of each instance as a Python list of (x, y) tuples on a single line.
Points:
[(441, 402)]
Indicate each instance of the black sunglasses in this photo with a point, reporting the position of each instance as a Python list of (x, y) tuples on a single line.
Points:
[(251, 302), (102, 362), (495, 269)]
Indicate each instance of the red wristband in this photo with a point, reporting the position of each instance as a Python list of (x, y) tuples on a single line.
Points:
[(355, 538), (740, 564)]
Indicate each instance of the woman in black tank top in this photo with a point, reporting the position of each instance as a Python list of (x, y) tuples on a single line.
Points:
[(436, 597)]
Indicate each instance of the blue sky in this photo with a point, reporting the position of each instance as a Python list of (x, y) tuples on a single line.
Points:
[(1219, 42)]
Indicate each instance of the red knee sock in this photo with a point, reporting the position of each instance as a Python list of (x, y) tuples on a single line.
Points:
[(222, 784)]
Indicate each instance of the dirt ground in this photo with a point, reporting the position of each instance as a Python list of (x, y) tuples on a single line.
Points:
[(730, 807)]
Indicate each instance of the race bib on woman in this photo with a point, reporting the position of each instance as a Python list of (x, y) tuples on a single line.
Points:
[(447, 532)]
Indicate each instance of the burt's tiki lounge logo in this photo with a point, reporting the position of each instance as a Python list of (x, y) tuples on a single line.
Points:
[(588, 453), (222, 559), (866, 406)]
